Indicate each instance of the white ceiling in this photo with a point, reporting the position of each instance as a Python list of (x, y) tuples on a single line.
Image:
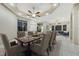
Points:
[(22, 8), (61, 13)]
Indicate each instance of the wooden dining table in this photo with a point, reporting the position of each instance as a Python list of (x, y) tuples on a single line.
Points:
[(28, 40)]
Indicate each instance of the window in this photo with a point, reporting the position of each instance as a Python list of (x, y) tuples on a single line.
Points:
[(22, 25), (58, 28), (64, 27)]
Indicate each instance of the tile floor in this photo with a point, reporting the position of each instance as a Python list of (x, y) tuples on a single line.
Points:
[(64, 47)]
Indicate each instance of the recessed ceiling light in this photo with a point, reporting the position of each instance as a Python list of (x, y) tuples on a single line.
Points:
[(54, 4), (12, 4), (19, 13)]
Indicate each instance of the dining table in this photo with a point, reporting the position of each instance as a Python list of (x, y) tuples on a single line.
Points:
[(28, 40)]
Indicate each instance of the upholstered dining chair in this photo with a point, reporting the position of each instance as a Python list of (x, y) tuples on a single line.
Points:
[(14, 50), (21, 34), (41, 48), (30, 33), (52, 40)]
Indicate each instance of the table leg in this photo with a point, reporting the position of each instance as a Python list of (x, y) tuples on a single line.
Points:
[(21, 43), (29, 49)]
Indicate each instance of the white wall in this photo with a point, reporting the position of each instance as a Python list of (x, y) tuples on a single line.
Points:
[(75, 24), (8, 23)]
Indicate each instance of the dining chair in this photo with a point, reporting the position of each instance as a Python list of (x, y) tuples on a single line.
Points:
[(26, 33), (52, 40), (16, 50), (30, 32), (39, 40), (41, 48), (21, 34)]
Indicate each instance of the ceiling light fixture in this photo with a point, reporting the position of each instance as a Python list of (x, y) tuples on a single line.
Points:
[(12, 4), (33, 15)]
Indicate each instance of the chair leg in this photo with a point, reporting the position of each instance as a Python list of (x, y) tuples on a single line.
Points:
[(50, 48), (5, 54), (48, 52)]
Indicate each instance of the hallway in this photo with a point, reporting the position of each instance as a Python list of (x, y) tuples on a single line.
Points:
[(64, 47)]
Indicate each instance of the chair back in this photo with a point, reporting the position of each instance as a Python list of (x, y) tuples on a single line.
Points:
[(5, 42), (53, 37), (20, 34), (45, 41), (30, 33)]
